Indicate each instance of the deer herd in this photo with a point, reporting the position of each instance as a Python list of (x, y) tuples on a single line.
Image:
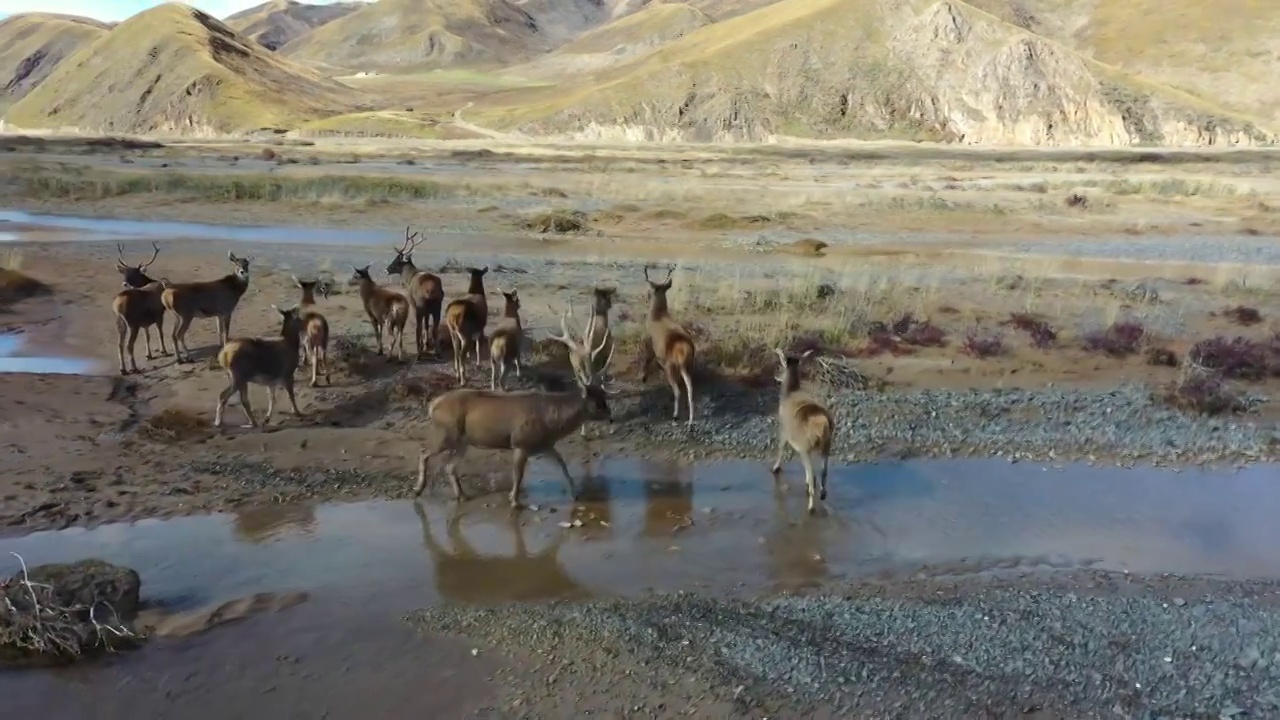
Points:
[(526, 422)]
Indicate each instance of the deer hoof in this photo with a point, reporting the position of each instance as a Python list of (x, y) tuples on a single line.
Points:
[(776, 469), (823, 495), (813, 510)]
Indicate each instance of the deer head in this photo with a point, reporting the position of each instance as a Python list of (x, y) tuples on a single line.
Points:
[(788, 375), (511, 308), (404, 253), (135, 276), (240, 265), (580, 355)]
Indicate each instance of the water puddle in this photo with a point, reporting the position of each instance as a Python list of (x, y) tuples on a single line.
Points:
[(11, 361), (640, 527)]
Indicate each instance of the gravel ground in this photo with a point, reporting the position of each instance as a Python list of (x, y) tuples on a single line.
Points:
[(1125, 424), (1075, 645)]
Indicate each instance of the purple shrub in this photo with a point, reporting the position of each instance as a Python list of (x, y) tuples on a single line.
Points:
[(1242, 315), (1237, 357), (1204, 393), (1042, 334)]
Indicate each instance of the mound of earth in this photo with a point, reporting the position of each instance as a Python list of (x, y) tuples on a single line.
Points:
[(275, 23), (918, 69), (33, 44), (176, 69)]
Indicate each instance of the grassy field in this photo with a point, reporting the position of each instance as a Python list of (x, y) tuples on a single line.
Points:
[(54, 37)]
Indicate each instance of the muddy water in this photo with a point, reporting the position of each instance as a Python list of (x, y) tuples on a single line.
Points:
[(641, 526)]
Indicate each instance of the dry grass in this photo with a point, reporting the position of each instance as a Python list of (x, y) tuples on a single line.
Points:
[(38, 626), (272, 25), (23, 36), (16, 285), (652, 25)]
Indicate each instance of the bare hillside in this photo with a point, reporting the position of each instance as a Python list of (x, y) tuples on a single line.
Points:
[(275, 23), (174, 68), (1225, 50), (407, 35), (914, 69), (32, 45), (623, 39)]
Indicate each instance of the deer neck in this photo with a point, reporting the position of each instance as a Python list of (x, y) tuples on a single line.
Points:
[(565, 411), (308, 296), (658, 307), (366, 288), (408, 271), (512, 314), (475, 287), (292, 341), (790, 383)]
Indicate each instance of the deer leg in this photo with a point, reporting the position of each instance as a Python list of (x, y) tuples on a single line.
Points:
[(271, 405), (121, 330), (688, 394), (826, 458), (519, 460), (222, 332), (519, 367), (226, 328), (479, 339), (810, 482), (555, 455), (293, 400), (325, 356), (451, 469), (243, 390), (133, 341), (223, 397), (784, 450), (146, 332), (160, 334), (493, 372), (673, 381), (180, 350)]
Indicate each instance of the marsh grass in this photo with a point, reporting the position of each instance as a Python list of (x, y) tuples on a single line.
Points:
[(101, 185)]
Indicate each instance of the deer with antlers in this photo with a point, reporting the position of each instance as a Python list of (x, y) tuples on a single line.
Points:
[(528, 422), (670, 345), (598, 324), (465, 319), (504, 344), (261, 361), (315, 331), (387, 310), (204, 299), (135, 276), (426, 292), (804, 425)]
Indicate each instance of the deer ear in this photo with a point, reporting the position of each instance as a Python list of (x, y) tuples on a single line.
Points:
[(782, 357), (805, 355), (231, 256)]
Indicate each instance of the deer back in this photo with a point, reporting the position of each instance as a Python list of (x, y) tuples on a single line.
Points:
[(425, 287), (261, 361), (528, 419), (205, 297), (140, 307)]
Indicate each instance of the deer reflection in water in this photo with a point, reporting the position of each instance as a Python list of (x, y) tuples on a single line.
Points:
[(260, 523), (462, 574), (796, 547), (594, 505), (668, 497)]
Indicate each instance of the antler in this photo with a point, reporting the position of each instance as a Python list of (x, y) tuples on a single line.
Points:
[(567, 337), (408, 245), (120, 255), (155, 253), (671, 270)]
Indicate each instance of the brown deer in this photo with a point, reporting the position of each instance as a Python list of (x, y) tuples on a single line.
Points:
[(261, 361), (670, 345), (387, 309), (504, 344), (315, 331), (135, 276), (204, 299), (527, 422), (804, 425), (138, 309), (426, 292), (465, 319)]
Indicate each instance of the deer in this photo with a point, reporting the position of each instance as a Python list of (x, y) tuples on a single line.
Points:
[(528, 422), (465, 319), (204, 299), (261, 361), (670, 345), (804, 425), (135, 276), (598, 324), (504, 344), (387, 309), (315, 331), (426, 292), (138, 309)]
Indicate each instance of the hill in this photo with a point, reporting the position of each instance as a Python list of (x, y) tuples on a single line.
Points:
[(915, 69), (174, 68), (618, 41), (274, 23), (32, 45), (408, 35), (1227, 50)]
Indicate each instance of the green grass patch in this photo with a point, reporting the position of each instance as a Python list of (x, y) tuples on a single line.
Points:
[(260, 188)]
